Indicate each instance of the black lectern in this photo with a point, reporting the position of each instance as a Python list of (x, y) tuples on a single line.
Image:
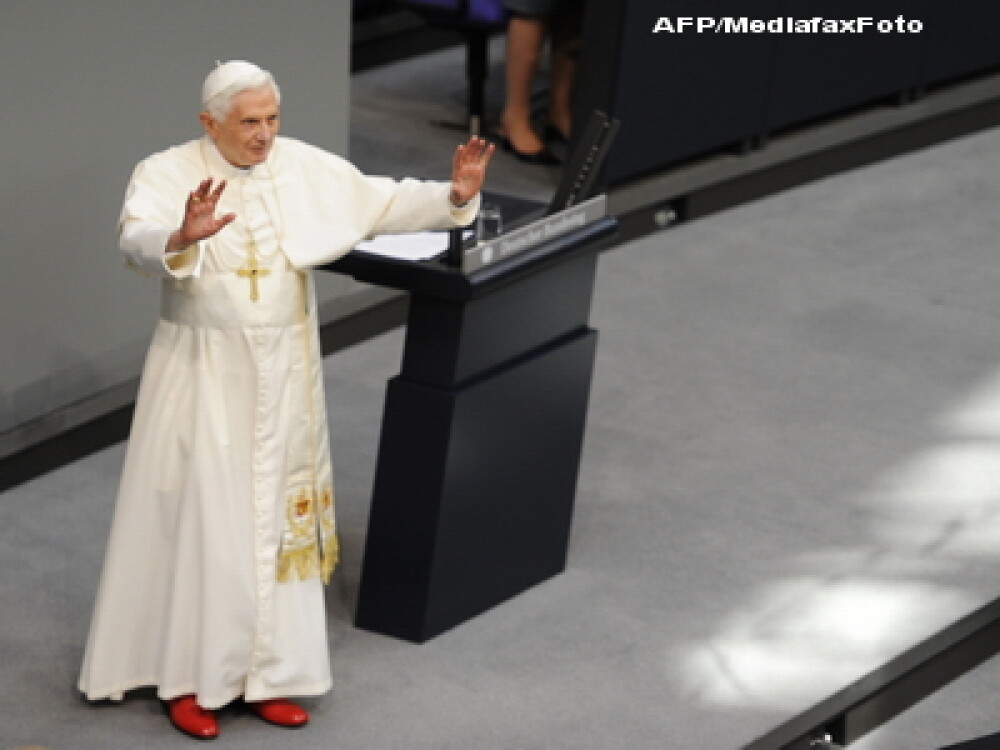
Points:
[(482, 429)]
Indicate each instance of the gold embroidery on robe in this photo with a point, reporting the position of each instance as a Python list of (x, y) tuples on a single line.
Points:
[(328, 534), (309, 544)]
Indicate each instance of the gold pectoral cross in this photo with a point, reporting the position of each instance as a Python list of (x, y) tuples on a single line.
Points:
[(252, 271)]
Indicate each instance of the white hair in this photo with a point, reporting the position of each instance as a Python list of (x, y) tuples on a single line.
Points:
[(230, 79)]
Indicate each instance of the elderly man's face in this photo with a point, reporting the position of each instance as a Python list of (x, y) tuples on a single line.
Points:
[(246, 135)]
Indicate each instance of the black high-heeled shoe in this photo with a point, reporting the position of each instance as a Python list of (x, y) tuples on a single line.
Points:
[(554, 135), (543, 158)]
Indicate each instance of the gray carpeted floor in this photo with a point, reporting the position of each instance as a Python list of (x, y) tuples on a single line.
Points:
[(790, 475)]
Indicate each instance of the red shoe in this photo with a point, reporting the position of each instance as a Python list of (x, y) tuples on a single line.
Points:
[(192, 719), (279, 711)]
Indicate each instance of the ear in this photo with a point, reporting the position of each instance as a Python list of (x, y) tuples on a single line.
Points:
[(209, 124)]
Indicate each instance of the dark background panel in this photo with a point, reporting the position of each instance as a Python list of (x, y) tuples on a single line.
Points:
[(961, 37), (817, 75), (682, 94)]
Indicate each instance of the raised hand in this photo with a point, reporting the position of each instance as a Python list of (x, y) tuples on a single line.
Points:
[(200, 221), (468, 169)]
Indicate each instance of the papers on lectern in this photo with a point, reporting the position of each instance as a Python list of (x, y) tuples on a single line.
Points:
[(408, 246)]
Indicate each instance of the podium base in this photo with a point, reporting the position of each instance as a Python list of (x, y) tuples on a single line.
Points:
[(474, 490)]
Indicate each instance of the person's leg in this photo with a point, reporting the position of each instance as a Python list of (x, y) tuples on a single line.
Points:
[(525, 39)]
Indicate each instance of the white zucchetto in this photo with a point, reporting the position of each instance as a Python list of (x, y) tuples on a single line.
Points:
[(227, 75)]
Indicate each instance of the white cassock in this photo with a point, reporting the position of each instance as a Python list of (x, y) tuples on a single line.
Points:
[(224, 530)]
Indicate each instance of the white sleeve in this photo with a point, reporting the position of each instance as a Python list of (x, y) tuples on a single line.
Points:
[(383, 205), (150, 214), (410, 205), (144, 246)]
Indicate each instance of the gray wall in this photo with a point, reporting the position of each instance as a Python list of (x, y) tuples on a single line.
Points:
[(89, 88)]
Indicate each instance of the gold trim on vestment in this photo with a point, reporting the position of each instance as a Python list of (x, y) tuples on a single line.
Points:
[(309, 546)]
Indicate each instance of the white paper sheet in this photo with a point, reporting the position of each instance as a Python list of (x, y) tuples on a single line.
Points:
[(410, 246)]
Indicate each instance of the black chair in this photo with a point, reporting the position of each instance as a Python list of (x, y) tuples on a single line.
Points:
[(476, 20)]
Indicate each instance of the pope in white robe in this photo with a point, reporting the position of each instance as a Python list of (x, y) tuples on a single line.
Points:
[(224, 529)]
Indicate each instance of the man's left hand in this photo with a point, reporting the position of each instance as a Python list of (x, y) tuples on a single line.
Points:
[(468, 169)]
